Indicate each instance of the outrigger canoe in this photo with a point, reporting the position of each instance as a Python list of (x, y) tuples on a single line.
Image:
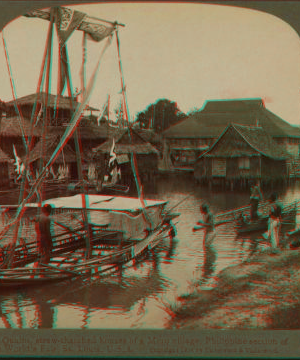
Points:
[(112, 221), (63, 268)]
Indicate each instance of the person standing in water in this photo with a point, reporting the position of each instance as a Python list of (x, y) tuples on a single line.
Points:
[(44, 234), (274, 222), (207, 223), (255, 197)]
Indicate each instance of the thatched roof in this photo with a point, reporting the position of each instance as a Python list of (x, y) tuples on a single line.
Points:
[(11, 127), (67, 155), (259, 141), (125, 144), (148, 135), (63, 102), (217, 115), (89, 131)]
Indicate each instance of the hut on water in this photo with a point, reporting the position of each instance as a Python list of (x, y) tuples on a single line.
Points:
[(242, 154), (64, 166), (128, 141), (187, 140)]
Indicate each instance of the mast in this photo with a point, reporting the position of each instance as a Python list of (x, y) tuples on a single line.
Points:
[(103, 30), (133, 156)]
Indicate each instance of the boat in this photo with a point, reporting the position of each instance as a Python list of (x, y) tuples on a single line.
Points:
[(93, 234), (240, 217)]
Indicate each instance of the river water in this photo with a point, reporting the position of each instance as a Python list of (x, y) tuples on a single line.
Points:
[(138, 296)]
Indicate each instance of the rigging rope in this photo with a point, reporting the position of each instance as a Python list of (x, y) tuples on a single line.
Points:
[(66, 136), (13, 89), (133, 156)]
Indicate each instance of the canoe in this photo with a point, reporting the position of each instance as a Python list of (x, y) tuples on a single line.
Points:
[(253, 226)]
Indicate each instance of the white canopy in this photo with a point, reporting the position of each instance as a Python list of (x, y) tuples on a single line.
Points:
[(99, 202)]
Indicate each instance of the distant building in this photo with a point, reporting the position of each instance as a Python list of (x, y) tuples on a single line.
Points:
[(240, 155), (187, 140), (14, 129), (60, 108)]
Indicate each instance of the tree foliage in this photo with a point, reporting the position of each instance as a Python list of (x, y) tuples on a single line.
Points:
[(160, 115)]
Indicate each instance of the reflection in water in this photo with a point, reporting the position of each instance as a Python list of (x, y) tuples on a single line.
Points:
[(131, 297), (210, 257)]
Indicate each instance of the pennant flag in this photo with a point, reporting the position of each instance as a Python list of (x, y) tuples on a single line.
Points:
[(52, 172), (112, 154), (20, 167), (67, 21), (40, 114)]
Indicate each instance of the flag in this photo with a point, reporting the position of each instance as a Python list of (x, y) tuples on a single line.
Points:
[(113, 156), (52, 172), (39, 115), (20, 167), (67, 21)]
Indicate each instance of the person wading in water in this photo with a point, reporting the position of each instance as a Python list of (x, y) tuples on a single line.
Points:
[(255, 197), (44, 234), (210, 256), (207, 223)]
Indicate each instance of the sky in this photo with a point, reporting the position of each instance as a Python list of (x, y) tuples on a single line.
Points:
[(184, 52)]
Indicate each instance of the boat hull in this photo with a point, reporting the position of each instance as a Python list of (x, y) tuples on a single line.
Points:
[(75, 267)]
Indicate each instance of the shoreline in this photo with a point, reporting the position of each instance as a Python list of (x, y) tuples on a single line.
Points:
[(263, 292)]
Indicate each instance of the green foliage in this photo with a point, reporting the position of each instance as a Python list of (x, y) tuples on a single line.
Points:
[(160, 115)]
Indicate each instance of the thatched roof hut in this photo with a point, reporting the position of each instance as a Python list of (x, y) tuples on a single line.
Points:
[(127, 141), (243, 153), (258, 140)]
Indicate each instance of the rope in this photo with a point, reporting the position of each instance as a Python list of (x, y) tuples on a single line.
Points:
[(68, 133), (13, 89), (133, 157)]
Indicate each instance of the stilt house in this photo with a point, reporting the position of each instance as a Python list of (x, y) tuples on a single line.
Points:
[(187, 140), (242, 154)]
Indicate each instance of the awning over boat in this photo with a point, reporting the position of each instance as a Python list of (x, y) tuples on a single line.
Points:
[(99, 202)]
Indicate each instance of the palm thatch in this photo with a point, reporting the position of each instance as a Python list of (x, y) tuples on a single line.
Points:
[(88, 131), (11, 127), (257, 142), (53, 101), (46, 150), (216, 115), (129, 141)]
